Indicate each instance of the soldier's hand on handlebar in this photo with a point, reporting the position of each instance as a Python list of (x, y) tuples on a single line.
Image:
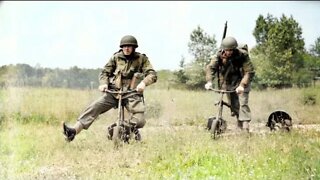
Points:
[(103, 87), (208, 85), (239, 89)]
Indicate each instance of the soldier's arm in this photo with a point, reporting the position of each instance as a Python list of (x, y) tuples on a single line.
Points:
[(148, 71), (248, 72), (107, 71), (211, 69)]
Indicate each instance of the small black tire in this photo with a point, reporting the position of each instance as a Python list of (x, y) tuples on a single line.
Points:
[(116, 136), (287, 125), (214, 129)]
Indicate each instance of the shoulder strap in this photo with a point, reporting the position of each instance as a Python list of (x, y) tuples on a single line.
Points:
[(141, 56)]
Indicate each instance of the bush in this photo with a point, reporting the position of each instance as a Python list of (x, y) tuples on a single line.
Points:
[(309, 98), (153, 109)]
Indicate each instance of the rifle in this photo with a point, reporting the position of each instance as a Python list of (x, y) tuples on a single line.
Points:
[(225, 30), (223, 36)]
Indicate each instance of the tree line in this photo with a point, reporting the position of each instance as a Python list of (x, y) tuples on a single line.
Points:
[(25, 75)]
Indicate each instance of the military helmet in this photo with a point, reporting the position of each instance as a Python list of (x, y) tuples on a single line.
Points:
[(229, 43), (128, 40)]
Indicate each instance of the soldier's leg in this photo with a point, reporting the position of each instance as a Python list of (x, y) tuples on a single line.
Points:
[(235, 106), (99, 106), (137, 108), (244, 111), (233, 100)]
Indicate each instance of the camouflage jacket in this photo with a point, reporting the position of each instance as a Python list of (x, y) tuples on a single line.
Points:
[(119, 71), (241, 70)]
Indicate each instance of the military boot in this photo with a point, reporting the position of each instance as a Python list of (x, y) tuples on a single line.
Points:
[(137, 135), (68, 132), (125, 133), (245, 125), (234, 114), (110, 131), (239, 124)]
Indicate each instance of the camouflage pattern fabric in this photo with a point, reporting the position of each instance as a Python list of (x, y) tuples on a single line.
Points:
[(103, 104), (241, 72), (120, 69), (118, 72)]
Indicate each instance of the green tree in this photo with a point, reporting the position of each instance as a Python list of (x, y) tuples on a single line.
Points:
[(202, 47), (180, 73), (279, 51), (315, 49), (312, 59), (263, 25)]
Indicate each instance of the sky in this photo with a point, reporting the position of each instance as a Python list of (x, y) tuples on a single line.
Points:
[(63, 34)]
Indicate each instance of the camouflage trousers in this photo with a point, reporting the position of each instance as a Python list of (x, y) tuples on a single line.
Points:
[(134, 105), (239, 105)]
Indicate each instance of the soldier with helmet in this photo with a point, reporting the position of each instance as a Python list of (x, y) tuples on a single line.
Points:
[(118, 73), (234, 71)]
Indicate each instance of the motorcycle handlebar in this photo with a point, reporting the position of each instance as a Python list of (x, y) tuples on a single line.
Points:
[(222, 91), (120, 92)]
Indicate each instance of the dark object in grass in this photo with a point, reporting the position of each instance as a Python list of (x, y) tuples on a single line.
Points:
[(279, 120)]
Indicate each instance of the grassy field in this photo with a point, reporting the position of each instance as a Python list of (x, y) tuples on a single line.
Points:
[(175, 144)]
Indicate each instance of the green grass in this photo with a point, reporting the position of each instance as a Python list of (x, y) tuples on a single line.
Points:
[(256, 157), (175, 144), (165, 153)]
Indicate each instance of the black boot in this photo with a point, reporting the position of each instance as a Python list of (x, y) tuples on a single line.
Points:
[(110, 131), (137, 135), (69, 133)]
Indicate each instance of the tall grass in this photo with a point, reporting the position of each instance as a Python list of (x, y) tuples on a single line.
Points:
[(174, 107), (45, 105), (175, 144)]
